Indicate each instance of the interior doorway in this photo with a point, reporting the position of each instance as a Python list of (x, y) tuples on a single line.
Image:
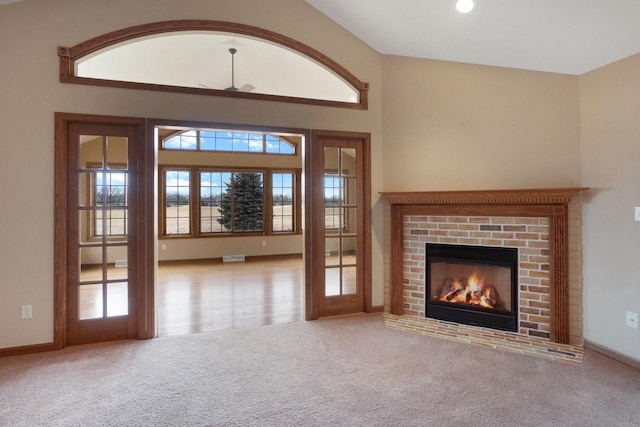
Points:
[(153, 192), (229, 226)]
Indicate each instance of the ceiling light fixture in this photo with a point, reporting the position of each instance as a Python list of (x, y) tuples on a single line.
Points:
[(465, 6)]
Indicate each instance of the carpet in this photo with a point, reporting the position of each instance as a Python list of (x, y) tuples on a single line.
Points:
[(346, 371)]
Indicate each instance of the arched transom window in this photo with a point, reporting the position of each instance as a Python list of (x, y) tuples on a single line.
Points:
[(213, 58)]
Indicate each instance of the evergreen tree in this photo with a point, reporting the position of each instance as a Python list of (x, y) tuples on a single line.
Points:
[(241, 203)]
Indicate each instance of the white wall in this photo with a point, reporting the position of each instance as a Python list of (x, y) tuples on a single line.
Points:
[(30, 92), (610, 122)]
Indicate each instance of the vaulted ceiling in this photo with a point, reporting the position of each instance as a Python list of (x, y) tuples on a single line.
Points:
[(563, 36)]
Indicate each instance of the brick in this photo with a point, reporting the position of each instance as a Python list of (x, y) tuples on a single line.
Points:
[(490, 228), (479, 220), (447, 226), (529, 221), (437, 219), (480, 235), (515, 228), (527, 236), (459, 219)]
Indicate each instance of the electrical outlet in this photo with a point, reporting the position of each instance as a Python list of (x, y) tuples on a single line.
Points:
[(27, 311), (632, 319), (164, 246), (637, 213), (264, 243)]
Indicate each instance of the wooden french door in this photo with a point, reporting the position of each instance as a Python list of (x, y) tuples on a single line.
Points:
[(340, 198), (101, 232)]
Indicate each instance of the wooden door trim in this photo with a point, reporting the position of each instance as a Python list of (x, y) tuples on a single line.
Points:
[(312, 250), (62, 123)]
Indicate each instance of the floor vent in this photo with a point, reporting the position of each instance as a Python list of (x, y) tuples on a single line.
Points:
[(121, 263), (233, 258)]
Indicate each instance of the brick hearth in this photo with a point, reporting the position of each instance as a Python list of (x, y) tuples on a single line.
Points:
[(545, 227)]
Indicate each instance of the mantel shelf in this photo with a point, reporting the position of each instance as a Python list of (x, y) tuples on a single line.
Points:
[(484, 197)]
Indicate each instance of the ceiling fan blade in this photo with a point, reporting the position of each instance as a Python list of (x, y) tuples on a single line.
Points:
[(246, 88)]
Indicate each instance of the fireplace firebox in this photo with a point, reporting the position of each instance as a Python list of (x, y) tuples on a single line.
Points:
[(473, 285)]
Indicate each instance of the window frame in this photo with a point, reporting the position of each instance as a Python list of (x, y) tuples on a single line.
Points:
[(162, 213), (198, 147), (195, 201)]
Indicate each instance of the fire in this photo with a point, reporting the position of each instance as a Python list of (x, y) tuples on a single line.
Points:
[(472, 292)]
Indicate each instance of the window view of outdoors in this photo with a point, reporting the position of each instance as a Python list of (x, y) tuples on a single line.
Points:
[(111, 194), (177, 202)]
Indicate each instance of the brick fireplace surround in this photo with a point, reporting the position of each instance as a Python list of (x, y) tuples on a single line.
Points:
[(544, 225)]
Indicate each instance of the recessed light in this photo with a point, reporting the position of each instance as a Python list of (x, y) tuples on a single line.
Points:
[(465, 6)]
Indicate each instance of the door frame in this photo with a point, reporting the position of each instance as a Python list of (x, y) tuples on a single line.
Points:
[(146, 277), (314, 256), (61, 226)]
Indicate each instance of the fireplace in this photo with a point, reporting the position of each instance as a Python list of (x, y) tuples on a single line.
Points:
[(473, 285)]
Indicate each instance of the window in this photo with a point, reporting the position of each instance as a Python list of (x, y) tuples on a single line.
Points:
[(230, 202), (212, 185), (282, 200), (233, 141), (121, 59), (177, 202)]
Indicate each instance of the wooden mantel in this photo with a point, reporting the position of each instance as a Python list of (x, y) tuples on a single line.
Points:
[(551, 203), (490, 197)]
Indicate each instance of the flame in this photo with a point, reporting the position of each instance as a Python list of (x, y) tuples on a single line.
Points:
[(474, 293)]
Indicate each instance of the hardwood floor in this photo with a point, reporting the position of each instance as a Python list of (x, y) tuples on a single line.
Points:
[(204, 296)]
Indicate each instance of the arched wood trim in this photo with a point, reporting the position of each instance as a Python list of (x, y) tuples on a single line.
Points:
[(68, 56)]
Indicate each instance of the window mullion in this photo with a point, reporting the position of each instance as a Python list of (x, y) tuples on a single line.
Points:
[(267, 202), (194, 199)]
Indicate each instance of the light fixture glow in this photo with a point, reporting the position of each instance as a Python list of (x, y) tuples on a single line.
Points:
[(465, 6)]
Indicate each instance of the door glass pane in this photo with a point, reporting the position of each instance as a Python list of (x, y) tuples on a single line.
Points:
[(349, 250), (117, 264), (348, 162), (115, 189), (88, 193), (86, 225), (332, 251), (349, 280), (90, 302), (350, 190), (349, 221), (115, 223), (117, 299), (91, 151), (91, 264), (332, 219), (117, 152), (331, 160), (331, 281)]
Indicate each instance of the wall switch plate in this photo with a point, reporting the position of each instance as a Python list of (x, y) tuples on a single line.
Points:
[(632, 319), (27, 311), (637, 213)]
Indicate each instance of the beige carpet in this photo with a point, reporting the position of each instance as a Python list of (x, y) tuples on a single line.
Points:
[(343, 371)]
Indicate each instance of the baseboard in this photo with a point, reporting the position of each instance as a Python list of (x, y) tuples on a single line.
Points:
[(634, 363), (377, 309), (219, 260), (28, 349)]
